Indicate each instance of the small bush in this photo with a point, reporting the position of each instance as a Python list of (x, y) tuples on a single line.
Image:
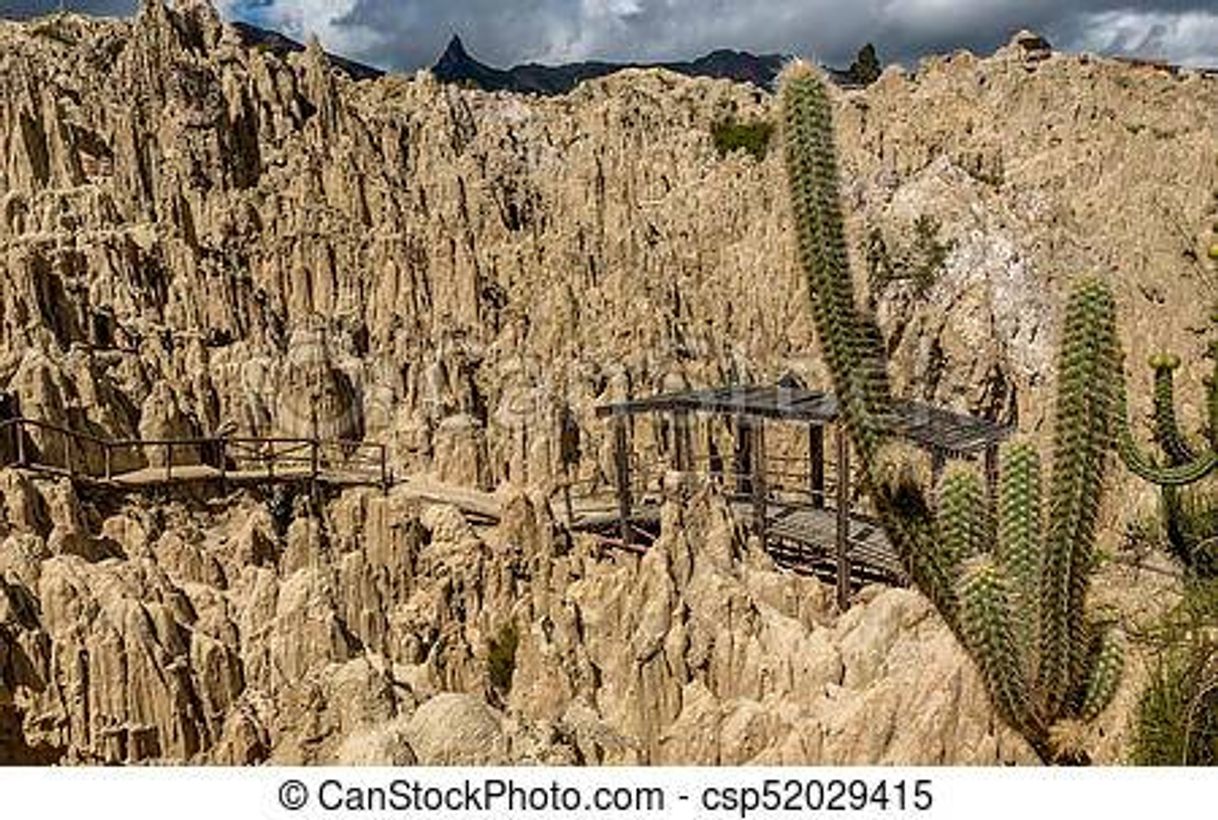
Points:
[(1191, 519), (501, 657), (55, 27), (1176, 723), (753, 137), (920, 263)]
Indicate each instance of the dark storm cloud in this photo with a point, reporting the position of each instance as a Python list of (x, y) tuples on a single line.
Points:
[(407, 34), (33, 8)]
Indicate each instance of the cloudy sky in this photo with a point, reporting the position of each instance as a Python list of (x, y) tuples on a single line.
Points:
[(407, 34)]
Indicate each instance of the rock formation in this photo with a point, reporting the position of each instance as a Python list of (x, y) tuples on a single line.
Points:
[(198, 235)]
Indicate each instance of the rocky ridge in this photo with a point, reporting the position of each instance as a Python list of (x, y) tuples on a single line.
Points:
[(196, 235)]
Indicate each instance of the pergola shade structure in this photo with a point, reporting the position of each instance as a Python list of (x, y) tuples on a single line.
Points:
[(816, 524)]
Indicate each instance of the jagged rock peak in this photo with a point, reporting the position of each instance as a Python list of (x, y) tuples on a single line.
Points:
[(191, 25), (454, 52)]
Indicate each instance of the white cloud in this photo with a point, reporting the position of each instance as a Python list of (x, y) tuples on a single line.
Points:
[(410, 33), (332, 21), (1186, 38)]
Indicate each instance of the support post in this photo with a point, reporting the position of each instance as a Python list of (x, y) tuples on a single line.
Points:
[(568, 507), (621, 464), (843, 519), (682, 441), (714, 460), (222, 449), (758, 480), (816, 465), (991, 469), (19, 427), (314, 460), (109, 460), (938, 461), (384, 469), (742, 458), (67, 450)]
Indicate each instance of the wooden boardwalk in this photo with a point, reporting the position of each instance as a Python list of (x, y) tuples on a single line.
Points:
[(149, 463), (798, 537), (801, 537), (802, 504)]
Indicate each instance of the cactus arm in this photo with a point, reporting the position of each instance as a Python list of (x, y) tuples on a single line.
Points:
[(1211, 390), (1178, 476), (849, 347), (1145, 468), (1106, 672), (1020, 549), (1182, 470), (962, 516), (1211, 397), (986, 623), (1167, 428), (898, 481), (1086, 403)]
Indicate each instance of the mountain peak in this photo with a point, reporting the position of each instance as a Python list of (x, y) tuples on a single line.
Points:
[(455, 51), (457, 66)]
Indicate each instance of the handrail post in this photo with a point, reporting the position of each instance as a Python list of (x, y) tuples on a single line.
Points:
[(742, 455), (270, 460), (991, 470), (109, 460), (682, 443), (384, 468), (568, 506), (759, 480), (168, 461), (621, 460), (816, 465), (67, 449), (843, 519), (314, 459), (223, 456), (19, 427)]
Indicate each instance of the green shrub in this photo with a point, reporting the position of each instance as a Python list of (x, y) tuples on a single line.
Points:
[(55, 27), (920, 263), (1176, 723), (501, 657), (753, 137)]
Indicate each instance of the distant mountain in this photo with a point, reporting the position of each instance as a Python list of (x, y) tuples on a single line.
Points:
[(255, 37), (457, 66)]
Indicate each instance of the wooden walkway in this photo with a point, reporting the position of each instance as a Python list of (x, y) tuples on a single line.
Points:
[(800, 537), (801, 505), (149, 463)]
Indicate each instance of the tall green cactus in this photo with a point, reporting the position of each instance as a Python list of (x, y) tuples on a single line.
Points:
[(1014, 593)]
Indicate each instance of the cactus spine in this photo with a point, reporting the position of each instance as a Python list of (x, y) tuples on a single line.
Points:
[(1014, 594)]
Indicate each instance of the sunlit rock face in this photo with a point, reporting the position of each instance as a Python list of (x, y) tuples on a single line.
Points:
[(197, 237)]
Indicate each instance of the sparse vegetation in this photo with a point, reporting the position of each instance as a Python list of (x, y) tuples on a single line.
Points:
[(753, 137), (501, 657), (55, 27), (866, 68), (1176, 723), (920, 264)]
